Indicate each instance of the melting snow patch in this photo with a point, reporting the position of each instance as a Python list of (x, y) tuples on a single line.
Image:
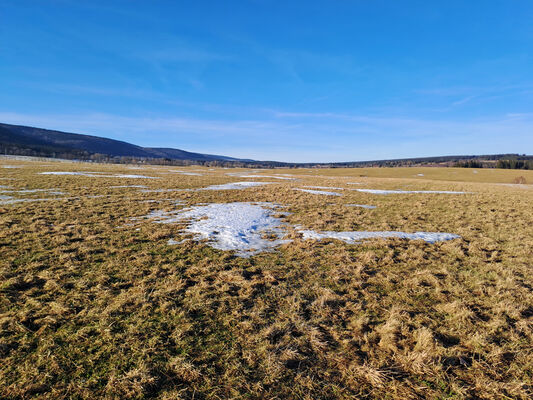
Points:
[(250, 228), (129, 186), (419, 174), (353, 237), (233, 226), (241, 175), (324, 187), (185, 172), (377, 191), (133, 176), (95, 175), (235, 185), (6, 200), (322, 192), (362, 206), (160, 190), (65, 173)]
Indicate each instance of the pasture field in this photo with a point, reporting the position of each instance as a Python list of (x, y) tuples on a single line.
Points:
[(119, 281)]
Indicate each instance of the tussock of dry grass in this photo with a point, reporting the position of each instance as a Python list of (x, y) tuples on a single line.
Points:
[(92, 307)]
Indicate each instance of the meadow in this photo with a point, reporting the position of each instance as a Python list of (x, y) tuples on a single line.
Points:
[(128, 281)]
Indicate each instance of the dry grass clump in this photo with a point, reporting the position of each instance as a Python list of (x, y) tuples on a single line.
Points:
[(94, 304)]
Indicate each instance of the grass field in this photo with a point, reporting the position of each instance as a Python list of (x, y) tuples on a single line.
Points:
[(95, 302)]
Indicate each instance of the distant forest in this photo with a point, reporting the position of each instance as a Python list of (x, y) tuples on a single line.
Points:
[(505, 161)]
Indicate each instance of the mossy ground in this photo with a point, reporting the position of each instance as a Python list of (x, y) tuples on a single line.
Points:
[(92, 306)]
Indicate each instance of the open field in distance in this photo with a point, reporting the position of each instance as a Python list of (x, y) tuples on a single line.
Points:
[(103, 293)]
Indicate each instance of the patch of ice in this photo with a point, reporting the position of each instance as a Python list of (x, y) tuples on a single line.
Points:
[(160, 190), (28, 191), (353, 237), (250, 228), (242, 175), (129, 186), (235, 185), (6, 200), (97, 175), (378, 191), (361, 205), (268, 176), (322, 192), (133, 176), (324, 187), (231, 226), (185, 172)]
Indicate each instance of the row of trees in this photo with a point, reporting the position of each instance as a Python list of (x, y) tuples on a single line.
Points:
[(515, 164)]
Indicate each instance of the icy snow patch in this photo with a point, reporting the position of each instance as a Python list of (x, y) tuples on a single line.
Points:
[(353, 237), (6, 200), (231, 226), (185, 172), (362, 206), (377, 191), (322, 192), (235, 185), (129, 186), (241, 175), (133, 176), (244, 227), (96, 175), (324, 187)]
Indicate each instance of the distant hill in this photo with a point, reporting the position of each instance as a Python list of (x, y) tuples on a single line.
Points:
[(25, 140), (28, 141)]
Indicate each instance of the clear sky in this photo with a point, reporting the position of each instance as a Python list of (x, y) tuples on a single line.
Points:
[(275, 80)]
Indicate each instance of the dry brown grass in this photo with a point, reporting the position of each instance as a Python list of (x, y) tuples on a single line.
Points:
[(92, 307)]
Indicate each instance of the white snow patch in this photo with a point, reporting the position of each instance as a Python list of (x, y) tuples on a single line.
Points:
[(96, 175), (322, 192), (353, 237), (6, 200), (160, 190), (129, 186), (243, 175), (361, 205), (230, 226), (244, 227), (324, 187), (419, 174), (378, 191), (354, 183), (185, 172), (11, 166), (235, 185), (133, 176)]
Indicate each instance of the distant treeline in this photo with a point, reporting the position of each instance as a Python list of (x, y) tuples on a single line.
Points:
[(506, 161), (521, 162)]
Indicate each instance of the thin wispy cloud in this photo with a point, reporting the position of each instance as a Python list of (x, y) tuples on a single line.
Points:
[(355, 135)]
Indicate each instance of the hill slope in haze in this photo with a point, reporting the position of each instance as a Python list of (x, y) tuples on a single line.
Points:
[(25, 140)]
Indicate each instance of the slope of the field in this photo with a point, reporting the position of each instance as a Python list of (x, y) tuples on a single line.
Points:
[(95, 302)]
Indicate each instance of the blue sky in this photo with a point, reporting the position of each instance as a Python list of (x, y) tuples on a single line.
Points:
[(277, 80)]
